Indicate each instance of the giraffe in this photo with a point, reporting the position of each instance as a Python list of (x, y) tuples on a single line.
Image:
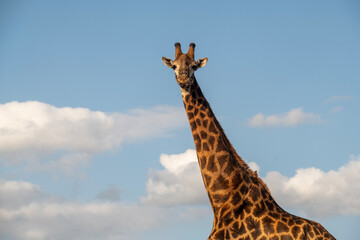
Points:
[(242, 204)]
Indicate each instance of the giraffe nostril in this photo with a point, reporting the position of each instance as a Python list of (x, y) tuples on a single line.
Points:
[(185, 73)]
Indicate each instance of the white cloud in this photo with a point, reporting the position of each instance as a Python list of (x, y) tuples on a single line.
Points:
[(39, 126), (28, 213), (14, 194), (32, 129), (180, 181), (318, 193), (292, 118)]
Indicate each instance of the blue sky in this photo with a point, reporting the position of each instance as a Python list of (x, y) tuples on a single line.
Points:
[(94, 141)]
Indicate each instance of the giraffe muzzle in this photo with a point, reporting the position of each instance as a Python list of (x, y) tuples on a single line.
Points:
[(184, 81)]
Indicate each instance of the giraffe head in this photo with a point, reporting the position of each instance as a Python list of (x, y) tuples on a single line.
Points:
[(184, 65)]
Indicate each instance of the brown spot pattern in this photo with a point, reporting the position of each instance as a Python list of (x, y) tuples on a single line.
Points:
[(243, 208)]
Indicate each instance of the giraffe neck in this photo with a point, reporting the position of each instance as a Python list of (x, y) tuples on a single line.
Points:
[(226, 176), (242, 204)]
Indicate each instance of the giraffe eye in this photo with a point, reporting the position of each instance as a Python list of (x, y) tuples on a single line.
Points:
[(173, 67), (194, 67)]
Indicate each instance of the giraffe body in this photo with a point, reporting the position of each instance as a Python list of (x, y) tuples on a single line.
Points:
[(242, 204)]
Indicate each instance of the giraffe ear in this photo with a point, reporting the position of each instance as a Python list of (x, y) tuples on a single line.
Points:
[(168, 62), (201, 62)]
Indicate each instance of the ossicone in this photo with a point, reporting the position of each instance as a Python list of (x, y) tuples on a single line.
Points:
[(191, 52), (178, 51)]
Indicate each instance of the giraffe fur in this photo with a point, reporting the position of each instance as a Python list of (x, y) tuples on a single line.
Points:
[(242, 204)]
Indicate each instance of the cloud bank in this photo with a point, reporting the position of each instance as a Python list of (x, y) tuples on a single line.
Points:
[(29, 130), (28, 213), (317, 193), (310, 191), (292, 118)]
